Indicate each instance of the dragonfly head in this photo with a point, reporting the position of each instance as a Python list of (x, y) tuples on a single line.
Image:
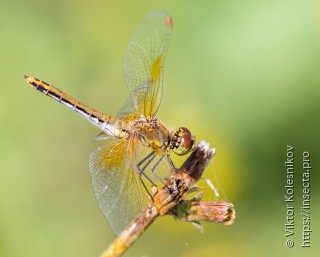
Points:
[(182, 141)]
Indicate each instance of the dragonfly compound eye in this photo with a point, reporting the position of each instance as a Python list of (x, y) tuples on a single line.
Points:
[(182, 141)]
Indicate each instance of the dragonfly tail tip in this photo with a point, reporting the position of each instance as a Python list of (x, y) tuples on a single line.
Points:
[(27, 79)]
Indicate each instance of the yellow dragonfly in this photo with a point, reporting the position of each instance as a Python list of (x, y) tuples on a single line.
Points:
[(140, 152)]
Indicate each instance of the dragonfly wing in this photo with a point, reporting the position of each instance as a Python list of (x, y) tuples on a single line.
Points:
[(127, 108), (116, 185), (144, 59)]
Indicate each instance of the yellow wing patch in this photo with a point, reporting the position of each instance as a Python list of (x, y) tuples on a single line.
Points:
[(112, 156), (156, 69)]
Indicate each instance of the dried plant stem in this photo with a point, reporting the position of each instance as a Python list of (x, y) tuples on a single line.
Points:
[(164, 199)]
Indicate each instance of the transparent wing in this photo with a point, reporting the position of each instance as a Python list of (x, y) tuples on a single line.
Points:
[(144, 59), (116, 186), (127, 108)]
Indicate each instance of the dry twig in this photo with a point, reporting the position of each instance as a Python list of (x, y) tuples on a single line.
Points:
[(170, 200)]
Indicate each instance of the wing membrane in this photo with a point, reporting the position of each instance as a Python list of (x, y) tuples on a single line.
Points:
[(116, 186), (144, 59)]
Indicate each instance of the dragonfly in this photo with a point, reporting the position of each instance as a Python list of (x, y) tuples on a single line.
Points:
[(139, 151)]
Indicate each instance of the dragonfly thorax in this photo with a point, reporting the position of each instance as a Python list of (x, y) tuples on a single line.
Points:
[(152, 133)]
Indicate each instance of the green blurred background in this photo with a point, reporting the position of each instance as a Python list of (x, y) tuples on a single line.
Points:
[(243, 75)]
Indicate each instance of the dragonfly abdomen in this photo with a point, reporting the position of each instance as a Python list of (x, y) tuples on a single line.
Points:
[(112, 126), (116, 127)]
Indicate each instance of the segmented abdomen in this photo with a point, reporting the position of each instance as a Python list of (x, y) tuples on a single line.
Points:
[(112, 126)]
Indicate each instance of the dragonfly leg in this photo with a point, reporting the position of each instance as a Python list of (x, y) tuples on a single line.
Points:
[(170, 162), (155, 166), (145, 162), (141, 170), (154, 172), (149, 159), (144, 185)]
